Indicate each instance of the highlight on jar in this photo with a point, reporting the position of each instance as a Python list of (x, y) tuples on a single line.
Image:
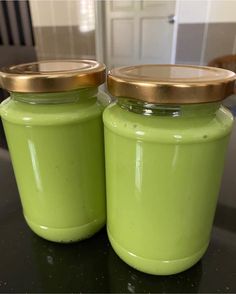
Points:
[(54, 130), (165, 141)]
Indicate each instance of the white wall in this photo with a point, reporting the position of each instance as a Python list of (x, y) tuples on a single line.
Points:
[(222, 11), (200, 11), (192, 11)]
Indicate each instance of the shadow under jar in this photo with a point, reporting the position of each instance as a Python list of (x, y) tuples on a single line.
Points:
[(165, 142), (54, 130)]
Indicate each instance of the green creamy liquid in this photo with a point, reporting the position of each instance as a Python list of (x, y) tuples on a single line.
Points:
[(163, 176), (58, 159)]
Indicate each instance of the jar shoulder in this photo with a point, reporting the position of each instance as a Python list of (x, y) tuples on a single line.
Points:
[(19, 112), (168, 129)]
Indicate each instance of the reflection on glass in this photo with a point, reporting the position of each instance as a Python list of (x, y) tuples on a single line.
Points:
[(35, 165), (139, 167)]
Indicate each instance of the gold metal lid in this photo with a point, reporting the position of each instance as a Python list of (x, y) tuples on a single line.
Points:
[(52, 76), (171, 84)]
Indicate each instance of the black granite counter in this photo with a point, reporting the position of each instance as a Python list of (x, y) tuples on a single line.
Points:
[(31, 264)]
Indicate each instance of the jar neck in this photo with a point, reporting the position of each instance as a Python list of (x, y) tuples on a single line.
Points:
[(56, 98), (149, 109)]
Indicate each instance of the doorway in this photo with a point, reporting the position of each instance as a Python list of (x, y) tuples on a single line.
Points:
[(136, 32)]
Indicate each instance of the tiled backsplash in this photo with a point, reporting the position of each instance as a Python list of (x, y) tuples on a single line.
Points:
[(189, 43), (201, 42)]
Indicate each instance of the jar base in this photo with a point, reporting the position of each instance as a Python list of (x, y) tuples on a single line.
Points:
[(66, 235), (156, 267)]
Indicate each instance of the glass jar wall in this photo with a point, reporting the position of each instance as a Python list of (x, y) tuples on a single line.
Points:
[(164, 161), (55, 138)]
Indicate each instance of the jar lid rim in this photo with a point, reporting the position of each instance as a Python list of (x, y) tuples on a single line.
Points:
[(52, 76), (171, 84)]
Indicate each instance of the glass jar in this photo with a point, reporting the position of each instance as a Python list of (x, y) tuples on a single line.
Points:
[(54, 131), (165, 142)]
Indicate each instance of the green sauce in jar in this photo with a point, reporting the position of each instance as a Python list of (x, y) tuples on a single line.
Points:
[(56, 145), (164, 163)]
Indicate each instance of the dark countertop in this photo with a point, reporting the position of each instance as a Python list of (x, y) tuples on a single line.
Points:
[(31, 264)]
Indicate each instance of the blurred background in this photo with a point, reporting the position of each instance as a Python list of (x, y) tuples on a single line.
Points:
[(120, 32), (117, 32)]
